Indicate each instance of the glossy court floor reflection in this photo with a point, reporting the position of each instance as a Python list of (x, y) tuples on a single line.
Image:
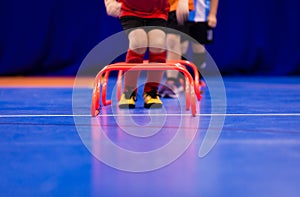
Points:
[(50, 148)]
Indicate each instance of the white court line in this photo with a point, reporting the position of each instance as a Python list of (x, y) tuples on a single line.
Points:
[(138, 115)]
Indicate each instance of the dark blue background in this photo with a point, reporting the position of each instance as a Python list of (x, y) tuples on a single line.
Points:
[(52, 37)]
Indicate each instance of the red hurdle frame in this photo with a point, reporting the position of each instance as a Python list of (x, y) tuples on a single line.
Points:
[(95, 106), (197, 82)]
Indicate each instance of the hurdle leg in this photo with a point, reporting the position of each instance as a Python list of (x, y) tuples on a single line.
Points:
[(95, 106), (119, 84), (187, 93), (104, 89)]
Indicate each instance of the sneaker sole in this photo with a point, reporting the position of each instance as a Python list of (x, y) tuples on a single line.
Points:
[(153, 105), (130, 106), (170, 96)]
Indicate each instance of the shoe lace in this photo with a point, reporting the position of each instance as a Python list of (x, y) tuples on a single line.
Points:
[(153, 93), (129, 92)]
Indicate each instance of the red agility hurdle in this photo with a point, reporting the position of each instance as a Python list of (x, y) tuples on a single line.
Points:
[(197, 83), (95, 106)]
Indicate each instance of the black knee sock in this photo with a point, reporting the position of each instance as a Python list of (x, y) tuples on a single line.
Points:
[(199, 60), (184, 57)]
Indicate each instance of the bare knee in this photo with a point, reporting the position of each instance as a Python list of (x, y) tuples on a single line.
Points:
[(157, 41), (198, 48), (173, 43), (138, 41)]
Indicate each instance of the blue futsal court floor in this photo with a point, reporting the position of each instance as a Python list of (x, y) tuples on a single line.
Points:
[(50, 146)]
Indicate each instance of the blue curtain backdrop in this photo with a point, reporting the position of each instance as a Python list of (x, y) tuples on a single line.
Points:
[(52, 37)]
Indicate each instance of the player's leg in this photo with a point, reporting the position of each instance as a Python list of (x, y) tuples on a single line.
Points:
[(199, 55), (184, 49), (138, 42), (202, 34), (157, 53), (172, 85)]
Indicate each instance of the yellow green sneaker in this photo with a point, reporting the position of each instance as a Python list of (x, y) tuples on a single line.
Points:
[(152, 100), (128, 99)]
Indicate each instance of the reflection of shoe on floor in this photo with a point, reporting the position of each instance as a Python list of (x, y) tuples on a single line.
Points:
[(152, 100), (171, 88), (128, 99)]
